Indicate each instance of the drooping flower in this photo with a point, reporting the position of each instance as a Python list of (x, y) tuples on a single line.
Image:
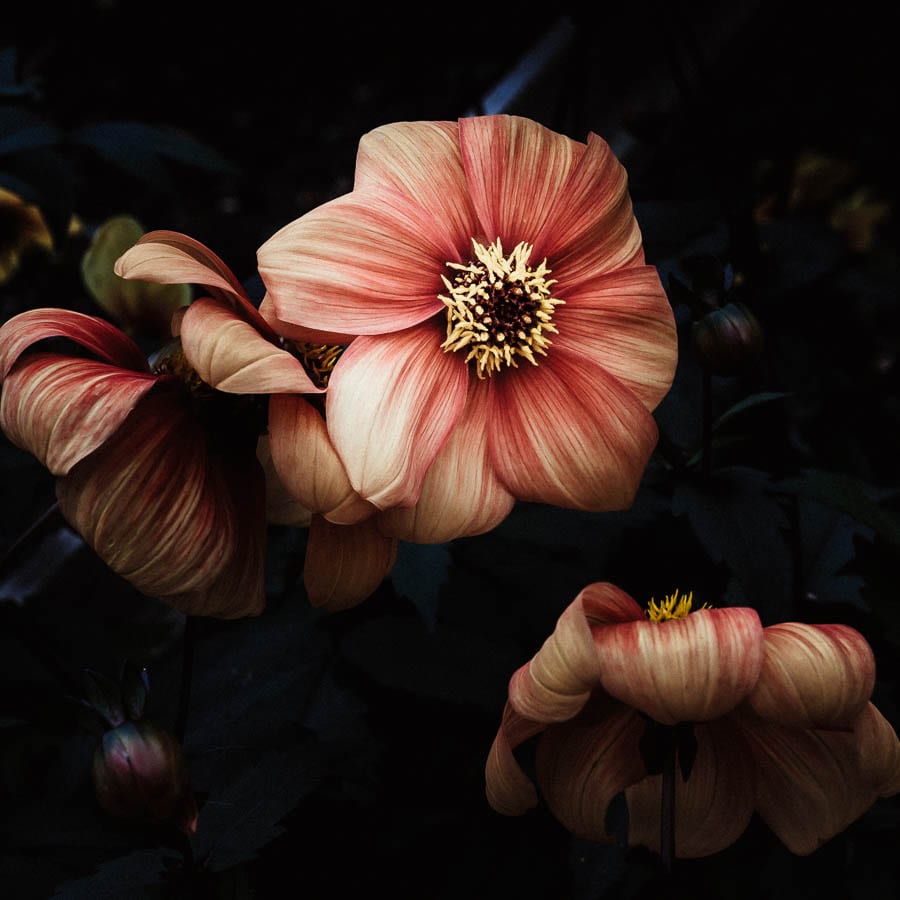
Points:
[(782, 718), (512, 343), (22, 228)]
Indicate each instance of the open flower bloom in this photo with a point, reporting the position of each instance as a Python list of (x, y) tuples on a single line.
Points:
[(781, 715), (512, 343), (231, 347)]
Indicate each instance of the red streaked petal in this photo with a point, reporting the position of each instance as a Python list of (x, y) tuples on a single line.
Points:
[(508, 789), (232, 356), (62, 408), (605, 604), (693, 669), (568, 433), (96, 335), (515, 169), (813, 676), (299, 333), (461, 495), (345, 564), (391, 404), (623, 321), (364, 263)]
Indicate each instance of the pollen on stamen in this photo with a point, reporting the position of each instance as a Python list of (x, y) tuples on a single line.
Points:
[(499, 308), (675, 606), (318, 360)]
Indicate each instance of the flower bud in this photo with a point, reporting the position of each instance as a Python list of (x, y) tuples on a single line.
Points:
[(727, 340), (140, 774)]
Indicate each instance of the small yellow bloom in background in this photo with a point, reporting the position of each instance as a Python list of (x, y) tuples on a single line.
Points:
[(22, 228), (139, 307)]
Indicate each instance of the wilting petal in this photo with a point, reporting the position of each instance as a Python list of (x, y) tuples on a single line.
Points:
[(693, 669), (96, 335), (712, 808), (146, 503), (461, 495), (299, 333), (282, 508), (509, 790), (63, 408), (363, 263), (420, 160), (623, 321), (345, 564), (307, 463), (568, 433), (813, 676), (391, 404), (583, 764), (229, 354), (515, 169)]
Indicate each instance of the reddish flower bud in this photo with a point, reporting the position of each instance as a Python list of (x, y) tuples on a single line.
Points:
[(728, 339), (140, 774)]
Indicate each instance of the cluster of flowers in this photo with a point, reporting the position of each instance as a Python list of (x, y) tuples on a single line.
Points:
[(472, 325)]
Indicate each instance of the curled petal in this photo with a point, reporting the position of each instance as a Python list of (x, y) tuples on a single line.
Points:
[(345, 564), (879, 752), (391, 404), (693, 669), (299, 333), (282, 508), (229, 354), (63, 408), (814, 676), (712, 808), (509, 790)]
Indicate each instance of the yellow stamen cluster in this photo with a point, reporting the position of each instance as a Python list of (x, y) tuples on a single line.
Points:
[(318, 359), (170, 360), (675, 606), (499, 307)]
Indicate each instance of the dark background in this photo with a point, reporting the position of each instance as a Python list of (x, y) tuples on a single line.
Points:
[(334, 755)]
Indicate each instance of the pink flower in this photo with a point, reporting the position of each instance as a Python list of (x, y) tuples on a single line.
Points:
[(781, 715), (512, 342)]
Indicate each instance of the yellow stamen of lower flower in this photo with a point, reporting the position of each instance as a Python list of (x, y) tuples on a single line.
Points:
[(319, 360), (675, 606), (499, 308)]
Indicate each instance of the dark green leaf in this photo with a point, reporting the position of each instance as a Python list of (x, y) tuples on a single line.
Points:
[(22, 130)]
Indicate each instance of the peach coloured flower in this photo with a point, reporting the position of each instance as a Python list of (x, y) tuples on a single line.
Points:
[(782, 718), (231, 348), (511, 342)]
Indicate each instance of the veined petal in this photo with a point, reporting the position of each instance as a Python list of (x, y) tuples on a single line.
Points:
[(461, 495), (420, 160), (712, 808), (879, 752), (62, 408), (568, 433), (299, 333), (623, 321), (591, 228), (229, 354), (96, 335), (345, 564), (307, 463), (282, 508), (391, 404), (813, 676), (693, 669), (515, 169), (363, 263), (509, 790)]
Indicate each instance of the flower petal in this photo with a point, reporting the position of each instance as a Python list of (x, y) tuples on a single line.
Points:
[(282, 508), (230, 355), (879, 752), (299, 333), (391, 404), (693, 669), (307, 463), (568, 433), (345, 564), (624, 322), (813, 676), (63, 408), (509, 790), (461, 495)]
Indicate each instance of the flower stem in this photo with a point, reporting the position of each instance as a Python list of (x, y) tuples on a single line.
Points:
[(667, 804)]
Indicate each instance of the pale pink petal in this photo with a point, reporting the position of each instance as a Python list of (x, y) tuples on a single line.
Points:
[(299, 333), (568, 433), (282, 508), (508, 789), (591, 228), (814, 676), (420, 160), (624, 322), (230, 355), (712, 808), (345, 564), (461, 495), (62, 408), (605, 604), (307, 463), (693, 669), (96, 335), (364, 263), (391, 404), (515, 169)]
